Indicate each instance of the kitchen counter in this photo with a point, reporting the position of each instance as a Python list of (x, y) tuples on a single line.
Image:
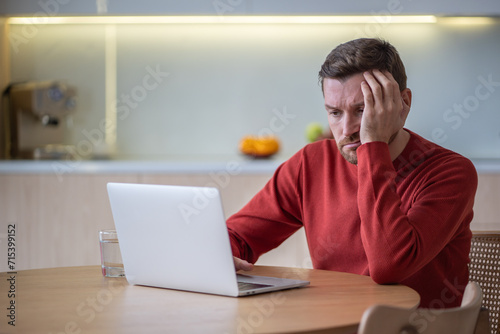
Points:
[(238, 165), (487, 166)]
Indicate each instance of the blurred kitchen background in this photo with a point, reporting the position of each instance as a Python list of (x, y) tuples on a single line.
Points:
[(162, 92), (191, 90)]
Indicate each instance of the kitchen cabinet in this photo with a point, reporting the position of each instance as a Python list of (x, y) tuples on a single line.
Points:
[(57, 219), (4, 73), (486, 206), (56, 222), (244, 7)]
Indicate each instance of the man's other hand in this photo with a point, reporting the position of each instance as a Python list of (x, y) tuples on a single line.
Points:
[(240, 264)]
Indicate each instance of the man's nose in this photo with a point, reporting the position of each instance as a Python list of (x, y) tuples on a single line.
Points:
[(351, 125)]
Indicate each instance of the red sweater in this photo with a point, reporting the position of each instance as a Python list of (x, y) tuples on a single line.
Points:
[(404, 221)]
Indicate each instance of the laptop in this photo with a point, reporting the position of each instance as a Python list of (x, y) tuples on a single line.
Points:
[(176, 237)]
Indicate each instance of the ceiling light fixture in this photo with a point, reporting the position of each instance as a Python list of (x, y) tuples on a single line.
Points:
[(246, 19)]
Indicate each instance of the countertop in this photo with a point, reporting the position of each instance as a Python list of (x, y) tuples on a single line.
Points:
[(239, 165)]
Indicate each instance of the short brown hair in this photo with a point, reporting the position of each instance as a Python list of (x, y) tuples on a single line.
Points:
[(360, 55)]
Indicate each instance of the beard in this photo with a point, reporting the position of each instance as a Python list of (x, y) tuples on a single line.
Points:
[(348, 153)]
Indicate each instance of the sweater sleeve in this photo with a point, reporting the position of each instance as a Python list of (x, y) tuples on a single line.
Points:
[(270, 217), (398, 244)]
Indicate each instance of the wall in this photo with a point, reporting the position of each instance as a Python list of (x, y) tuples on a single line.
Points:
[(189, 90)]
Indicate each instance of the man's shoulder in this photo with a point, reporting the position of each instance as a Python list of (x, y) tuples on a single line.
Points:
[(431, 148), (420, 149)]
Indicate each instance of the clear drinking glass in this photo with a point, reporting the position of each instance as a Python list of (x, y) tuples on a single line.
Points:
[(111, 258)]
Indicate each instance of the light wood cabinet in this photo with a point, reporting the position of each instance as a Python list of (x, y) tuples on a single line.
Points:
[(57, 219), (487, 204)]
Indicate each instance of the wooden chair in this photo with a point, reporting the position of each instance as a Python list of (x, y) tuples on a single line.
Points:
[(484, 268), (381, 319)]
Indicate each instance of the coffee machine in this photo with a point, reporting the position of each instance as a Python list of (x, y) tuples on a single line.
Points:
[(35, 119)]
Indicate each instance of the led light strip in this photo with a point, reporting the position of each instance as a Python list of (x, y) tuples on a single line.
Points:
[(468, 20), (248, 19)]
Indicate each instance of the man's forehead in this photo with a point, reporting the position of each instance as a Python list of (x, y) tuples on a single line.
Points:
[(354, 79), (339, 93)]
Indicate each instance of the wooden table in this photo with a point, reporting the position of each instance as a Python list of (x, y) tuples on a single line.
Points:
[(78, 300)]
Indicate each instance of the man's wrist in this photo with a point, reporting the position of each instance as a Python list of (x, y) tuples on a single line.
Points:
[(373, 139)]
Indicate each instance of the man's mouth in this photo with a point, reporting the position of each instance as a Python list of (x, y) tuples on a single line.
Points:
[(351, 145)]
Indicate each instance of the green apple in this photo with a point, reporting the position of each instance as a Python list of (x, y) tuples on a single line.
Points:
[(313, 131)]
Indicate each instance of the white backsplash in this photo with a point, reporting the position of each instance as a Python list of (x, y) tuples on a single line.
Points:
[(195, 90)]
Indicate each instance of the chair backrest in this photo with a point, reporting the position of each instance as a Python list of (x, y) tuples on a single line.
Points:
[(484, 268), (381, 319)]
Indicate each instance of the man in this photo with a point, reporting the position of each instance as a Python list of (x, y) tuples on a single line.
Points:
[(376, 200)]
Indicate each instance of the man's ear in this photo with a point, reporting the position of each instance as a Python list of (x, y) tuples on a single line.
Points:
[(406, 96)]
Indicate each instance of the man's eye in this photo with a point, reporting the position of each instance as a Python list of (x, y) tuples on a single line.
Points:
[(334, 113)]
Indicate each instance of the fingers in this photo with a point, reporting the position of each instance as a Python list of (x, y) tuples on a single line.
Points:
[(367, 96), (240, 264), (383, 85), (382, 91), (371, 83), (385, 110)]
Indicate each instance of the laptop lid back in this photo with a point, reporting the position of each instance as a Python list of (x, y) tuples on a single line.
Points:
[(173, 237)]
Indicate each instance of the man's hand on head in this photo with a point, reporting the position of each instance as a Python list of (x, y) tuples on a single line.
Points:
[(240, 264), (385, 110)]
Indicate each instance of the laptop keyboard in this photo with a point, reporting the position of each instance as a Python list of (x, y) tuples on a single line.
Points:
[(244, 286)]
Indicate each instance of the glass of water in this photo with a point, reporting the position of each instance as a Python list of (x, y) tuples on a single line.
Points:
[(111, 259)]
